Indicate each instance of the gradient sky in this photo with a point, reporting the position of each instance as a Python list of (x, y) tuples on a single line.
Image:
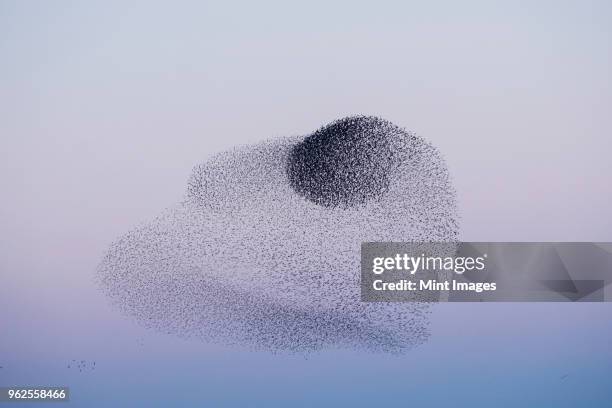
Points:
[(106, 106)]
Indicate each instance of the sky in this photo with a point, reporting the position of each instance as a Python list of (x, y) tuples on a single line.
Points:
[(106, 107)]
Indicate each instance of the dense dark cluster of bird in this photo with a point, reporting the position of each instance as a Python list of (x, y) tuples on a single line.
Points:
[(345, 163), (264, 250)]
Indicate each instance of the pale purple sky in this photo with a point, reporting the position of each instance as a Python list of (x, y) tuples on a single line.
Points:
[(106, 106)]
